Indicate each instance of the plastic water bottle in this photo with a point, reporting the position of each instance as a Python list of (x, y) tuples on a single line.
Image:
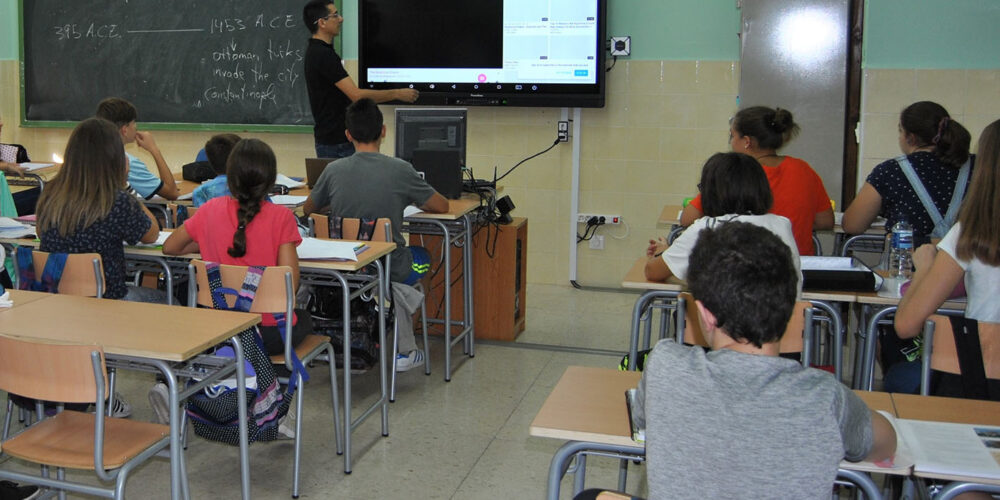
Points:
[(901, 250)]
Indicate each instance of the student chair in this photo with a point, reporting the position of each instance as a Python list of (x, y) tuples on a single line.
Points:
[(111, 447), (941, 354), (275, 295), (83, 276), (319, 226), (179, 213), (798, 335)]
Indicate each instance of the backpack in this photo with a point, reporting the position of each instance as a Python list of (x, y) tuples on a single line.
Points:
[(216, 416)]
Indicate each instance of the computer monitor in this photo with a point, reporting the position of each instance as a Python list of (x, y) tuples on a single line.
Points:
[(430, 129)]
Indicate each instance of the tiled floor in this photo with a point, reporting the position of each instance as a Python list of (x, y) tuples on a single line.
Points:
[(465, 439)]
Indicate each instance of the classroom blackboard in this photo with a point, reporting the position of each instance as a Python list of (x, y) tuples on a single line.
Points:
[(183, 63)]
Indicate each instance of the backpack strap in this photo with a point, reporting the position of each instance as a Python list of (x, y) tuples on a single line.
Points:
[(961, 182), (51, 274), (970, 357), (336, 226), (921, 191), (366, 228)]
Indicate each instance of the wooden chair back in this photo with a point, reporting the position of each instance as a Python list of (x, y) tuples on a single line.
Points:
[(49, 371), (791, 341), (83, 274), (273, 296), (944, 354), (321, 228)]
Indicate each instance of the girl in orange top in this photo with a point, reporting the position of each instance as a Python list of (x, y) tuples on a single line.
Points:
[(798, 191)]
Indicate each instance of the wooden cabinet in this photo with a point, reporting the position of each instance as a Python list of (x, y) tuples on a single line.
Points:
[(499, 256)]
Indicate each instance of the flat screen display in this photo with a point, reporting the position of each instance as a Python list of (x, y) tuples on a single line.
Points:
[(486, 52)]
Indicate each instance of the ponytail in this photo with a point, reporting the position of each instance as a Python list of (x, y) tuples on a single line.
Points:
[(249, 208), (772, 127), (930, 125)]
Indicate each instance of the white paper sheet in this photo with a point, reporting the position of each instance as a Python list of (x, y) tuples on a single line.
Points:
[(812, 263), (952, 449), (288, 200), (288, 182), (31, 166), (411, 210), (312, 248), (160, 239)]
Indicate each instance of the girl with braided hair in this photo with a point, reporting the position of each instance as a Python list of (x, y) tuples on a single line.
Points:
[(246, 229)]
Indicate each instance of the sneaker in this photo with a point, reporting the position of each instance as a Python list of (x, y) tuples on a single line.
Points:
[(120, 408), (286, 426), (11, 490), (413, 359), (159, 400)]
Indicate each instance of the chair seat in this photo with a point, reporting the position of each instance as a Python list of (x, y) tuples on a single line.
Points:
[(308, 344), (67, 440)]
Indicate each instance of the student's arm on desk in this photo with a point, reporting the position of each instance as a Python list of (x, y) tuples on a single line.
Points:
[(351, 90), (179, 243), (925, 294), (823, 220), (883, 438), (656, 267), (689, 215), (154, 227), (436, 204), (863, 210), (169, 188), (310, 206)]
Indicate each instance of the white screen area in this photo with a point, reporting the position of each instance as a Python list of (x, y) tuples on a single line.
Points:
[(547, 42)]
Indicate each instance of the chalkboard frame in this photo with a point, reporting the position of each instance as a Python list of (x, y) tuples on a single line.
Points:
[(152, 125)]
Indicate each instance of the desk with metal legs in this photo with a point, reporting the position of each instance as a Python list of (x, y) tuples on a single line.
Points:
[(455, 228)]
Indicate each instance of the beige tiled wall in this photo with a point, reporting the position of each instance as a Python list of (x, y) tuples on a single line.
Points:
[(640, 152), (972, 97)]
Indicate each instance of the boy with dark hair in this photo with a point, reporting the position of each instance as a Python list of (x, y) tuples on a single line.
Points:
[(740, 421), (123, 114), (330, 88), (217, 151), (372, 185)]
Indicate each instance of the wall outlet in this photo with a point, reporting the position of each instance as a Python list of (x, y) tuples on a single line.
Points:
[(621, 45), (563, 130), (597, 242), (608, 219)]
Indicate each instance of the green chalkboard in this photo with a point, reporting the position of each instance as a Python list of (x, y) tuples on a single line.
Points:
[(185, 64)]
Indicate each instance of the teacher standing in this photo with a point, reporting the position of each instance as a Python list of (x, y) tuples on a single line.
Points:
[(330, 88)]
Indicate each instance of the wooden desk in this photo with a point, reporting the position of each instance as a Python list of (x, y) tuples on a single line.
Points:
[(940, 409), (588, 404), (40, 176), (455, 228), (878, 401), (188, 187), (136, 332), (22, 297)]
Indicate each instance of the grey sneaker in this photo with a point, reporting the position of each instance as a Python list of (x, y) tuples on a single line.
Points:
[(159, 400), (410, 360), (120, 408)]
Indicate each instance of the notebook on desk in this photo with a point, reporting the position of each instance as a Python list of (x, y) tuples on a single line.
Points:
[(315, 167), (442, 170)]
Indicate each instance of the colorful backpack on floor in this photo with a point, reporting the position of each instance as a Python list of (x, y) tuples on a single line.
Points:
[(216, 417)]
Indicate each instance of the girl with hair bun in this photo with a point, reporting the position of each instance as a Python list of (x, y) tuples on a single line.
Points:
[(798, 191), (246, 229), (935, 160)]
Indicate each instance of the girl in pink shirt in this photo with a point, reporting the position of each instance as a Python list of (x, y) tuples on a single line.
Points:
[(246, 229)]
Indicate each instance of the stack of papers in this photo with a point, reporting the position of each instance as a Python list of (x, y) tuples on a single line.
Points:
[(10, 228), (288, 200), (31, 167), (317, 249)]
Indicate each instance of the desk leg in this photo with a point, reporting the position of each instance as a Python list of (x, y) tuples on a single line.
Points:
[(563, 456), (383, 291), (348, 424), (837, 329), (469, 323), (446, 250), (871, 340), (241, 399)]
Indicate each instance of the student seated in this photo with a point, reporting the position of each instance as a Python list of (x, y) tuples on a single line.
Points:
[(969, 252), (371, 185), (217, 151), (123, 114), (85, 208), (740, 421), (23, 202), (798, 191), (733, 188), (935, 147), (246, 229)]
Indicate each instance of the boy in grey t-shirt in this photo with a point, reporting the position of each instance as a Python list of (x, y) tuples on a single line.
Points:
[(371, 185), (740, 421)]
